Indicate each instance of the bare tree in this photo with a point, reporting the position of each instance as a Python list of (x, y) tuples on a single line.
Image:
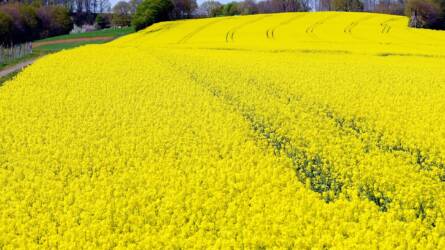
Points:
[(184, 8), (211, 8), (272, 6), (103, 6)]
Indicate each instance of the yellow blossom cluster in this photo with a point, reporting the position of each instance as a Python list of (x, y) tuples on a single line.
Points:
[(279, 131)]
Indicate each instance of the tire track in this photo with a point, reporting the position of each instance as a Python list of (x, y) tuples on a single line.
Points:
[(311, 169), (352, 127), (310, 31), (367, 189), (199, 29), (386, 27), (314, 167), (230, 35), (349, 28), (160, 29), (270, 33)]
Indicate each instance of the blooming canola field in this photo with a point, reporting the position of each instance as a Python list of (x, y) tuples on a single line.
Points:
[(278, 131)]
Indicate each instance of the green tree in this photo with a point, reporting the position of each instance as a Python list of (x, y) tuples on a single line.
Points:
[(231, 9), (152, 11)]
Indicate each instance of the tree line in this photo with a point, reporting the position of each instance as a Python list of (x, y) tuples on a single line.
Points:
[(21, 23), (25, 20), (422, 13)]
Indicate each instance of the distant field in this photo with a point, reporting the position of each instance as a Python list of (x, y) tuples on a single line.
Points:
[(281, 131), (111, 32), (60, 46)]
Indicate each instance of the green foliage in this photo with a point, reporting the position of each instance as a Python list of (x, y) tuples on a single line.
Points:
[(231, 9), (62, 23), (152, 11), (21, 23)]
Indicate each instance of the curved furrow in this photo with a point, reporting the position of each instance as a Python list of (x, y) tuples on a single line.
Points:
[(199, 29), (230, 35), (270, 33), (310, 31)]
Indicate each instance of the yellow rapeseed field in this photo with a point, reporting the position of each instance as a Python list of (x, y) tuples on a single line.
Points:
[(279, 131)]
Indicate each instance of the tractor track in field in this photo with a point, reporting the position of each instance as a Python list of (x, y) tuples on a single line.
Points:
[(160, 30), (270, 33), (283, 144), (310, 31), (313, 168), (308, 167), (230, 35), (349, 28), (386, 27), (351, 127), (199, 29)]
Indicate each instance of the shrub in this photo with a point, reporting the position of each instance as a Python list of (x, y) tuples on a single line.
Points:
[(118, 20), (21, 23), (103, 21), (423, 13), (152, 11), (55, 20)]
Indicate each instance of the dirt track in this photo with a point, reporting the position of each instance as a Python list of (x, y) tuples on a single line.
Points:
[(9, 70), (72, 40)]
